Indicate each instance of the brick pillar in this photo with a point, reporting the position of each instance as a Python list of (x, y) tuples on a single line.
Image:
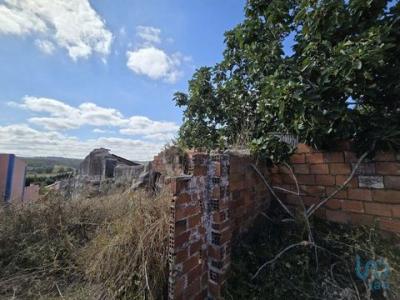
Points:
[(187, 235), (220, 230)]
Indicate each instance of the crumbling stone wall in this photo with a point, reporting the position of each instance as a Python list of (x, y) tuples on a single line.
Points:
[(218, 198), (373, 195), (125, 174)]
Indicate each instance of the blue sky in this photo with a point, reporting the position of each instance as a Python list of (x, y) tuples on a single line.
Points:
[(77, 74)]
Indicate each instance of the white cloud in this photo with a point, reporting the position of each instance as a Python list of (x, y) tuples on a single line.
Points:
[(45, 46), (26, 141), (149, 34), (152, 61), (139, 125), (70, 24), (61, 116), (98, 130), (155, 63)]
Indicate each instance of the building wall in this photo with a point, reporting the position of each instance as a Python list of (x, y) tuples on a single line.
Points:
[(31, 193), (373, 195), (219, 198), (12, 177), (3, 175)]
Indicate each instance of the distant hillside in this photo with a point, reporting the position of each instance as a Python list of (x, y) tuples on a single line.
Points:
[(41, 163)]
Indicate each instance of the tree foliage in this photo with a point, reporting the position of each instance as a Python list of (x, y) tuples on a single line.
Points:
[(340, 81)]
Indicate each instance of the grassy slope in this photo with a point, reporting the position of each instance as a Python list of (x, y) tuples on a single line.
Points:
[(112, 247)]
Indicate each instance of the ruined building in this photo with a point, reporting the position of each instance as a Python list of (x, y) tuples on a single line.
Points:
[(101, 172), (100, 164)]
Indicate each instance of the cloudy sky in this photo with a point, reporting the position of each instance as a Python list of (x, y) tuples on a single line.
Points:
[(80, 74)]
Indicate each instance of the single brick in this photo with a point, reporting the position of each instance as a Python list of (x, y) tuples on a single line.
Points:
[(386, 196), (339, 168), (360, 194), (390, 225), (319, 169), (340, 179), (214, 290), (350, 157), (191, 263), (378, 209), (297, 159), (313, 190), (217, 169), (315, 158), (193, 289), (276, 179), (303, 148), (194, 220), (396, 211), (333, 157), (178, 184), (216, 192), (388, 168), (333, 204), (274, 169), (374, 182), (305, 179), (292, 199), (361, 219), (184, 212), (325, 180), (182, 199), (309, 200), (392, 182), (180, 226), (384, 156), (337, 216), (343, 145), (195, 247), (195, 273), (181, 256), (301, 169), (179, 286), (284, 170), (341, 194), (352, 206), (181, 239), (288, 179)]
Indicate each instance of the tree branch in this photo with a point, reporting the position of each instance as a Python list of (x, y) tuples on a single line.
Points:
[(341, 187), (272, 190)]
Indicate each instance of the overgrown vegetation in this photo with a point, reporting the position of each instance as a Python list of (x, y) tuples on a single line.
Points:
[(112, 247), (296, 274), (338, 82)]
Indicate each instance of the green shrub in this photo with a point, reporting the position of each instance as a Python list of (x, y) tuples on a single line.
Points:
[(296, 275)]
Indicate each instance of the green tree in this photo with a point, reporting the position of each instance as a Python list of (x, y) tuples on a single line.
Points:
[(342, 81)]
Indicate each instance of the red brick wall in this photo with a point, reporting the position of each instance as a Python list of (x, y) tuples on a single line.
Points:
[(373, 195), (218, 198)]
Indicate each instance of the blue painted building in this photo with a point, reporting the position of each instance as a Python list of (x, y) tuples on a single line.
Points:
[(12, 178)]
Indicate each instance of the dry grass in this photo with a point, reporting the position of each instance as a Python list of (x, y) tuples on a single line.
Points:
[(112, 247)]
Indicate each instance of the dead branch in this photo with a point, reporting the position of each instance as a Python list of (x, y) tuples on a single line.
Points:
[(272, 190), (303, 243), (285, 190), (306, 219), (341, 187)]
